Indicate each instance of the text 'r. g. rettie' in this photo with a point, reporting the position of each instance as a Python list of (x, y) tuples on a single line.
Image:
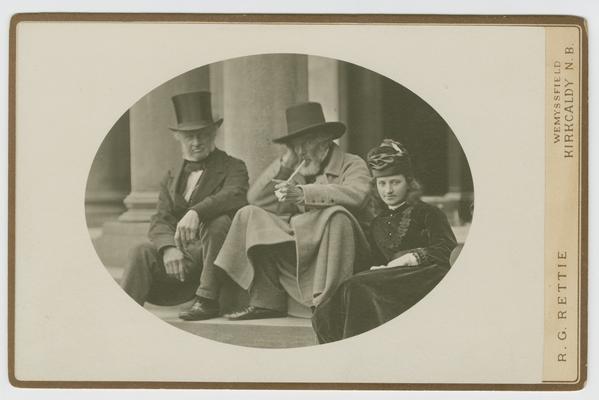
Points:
[(562, 303)]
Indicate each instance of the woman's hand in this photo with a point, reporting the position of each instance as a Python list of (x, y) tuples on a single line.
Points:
[(407, 260), (374, 268)]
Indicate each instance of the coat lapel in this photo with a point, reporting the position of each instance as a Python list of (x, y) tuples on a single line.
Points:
[(335, 165), (172, 190)]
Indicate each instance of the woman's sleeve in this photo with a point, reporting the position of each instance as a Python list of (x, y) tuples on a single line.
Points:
[(441, 240), (377, 257)]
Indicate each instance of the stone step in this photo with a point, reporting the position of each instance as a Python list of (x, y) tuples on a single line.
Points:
[(232, 296), (264, 333), (293, 331)]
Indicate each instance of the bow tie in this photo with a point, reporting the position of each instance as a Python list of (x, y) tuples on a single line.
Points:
[(192, 166)]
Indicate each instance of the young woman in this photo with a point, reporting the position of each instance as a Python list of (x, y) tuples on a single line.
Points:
[(411, 243)]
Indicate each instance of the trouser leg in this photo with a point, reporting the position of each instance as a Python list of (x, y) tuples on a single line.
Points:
[(145, 278), (139, 273), (268, 261), (211, 237)]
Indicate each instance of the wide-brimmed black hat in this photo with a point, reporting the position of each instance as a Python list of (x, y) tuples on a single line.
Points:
[(306, 118), (194, 112)]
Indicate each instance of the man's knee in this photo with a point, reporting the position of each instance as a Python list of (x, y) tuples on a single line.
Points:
[(340, 219), (141, 257), (217, 227), (244, 212), (142, 251)]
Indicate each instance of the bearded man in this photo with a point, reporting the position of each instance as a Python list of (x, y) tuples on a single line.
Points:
[(301, 235)]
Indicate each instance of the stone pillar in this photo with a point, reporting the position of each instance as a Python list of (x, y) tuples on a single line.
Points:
[(153, 151), (459, 180), (108, 182), (323, 85), (454, 163), (362, 108), (153, 148), (252, 94), (256, 92), (217, 89)]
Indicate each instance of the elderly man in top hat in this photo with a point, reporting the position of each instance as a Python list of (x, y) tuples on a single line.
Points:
[(301, 235), (195, 208)]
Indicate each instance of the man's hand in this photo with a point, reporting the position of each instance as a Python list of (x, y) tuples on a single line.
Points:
[(174, 263), (187, 229), (289, 192), (290, 158)]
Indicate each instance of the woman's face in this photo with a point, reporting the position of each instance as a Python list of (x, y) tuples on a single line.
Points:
[(392, 189)]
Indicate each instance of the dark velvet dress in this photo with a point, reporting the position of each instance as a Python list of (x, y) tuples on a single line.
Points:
[(373, 297)]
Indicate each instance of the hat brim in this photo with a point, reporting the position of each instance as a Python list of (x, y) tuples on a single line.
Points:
[(196, 127), (337, 129)]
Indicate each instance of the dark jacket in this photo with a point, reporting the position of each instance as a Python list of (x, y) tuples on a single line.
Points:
[(415, 227), (371, 298), (222, 189)]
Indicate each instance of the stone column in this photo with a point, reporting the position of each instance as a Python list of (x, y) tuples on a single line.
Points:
[(361, 102), (153, 148), (459, 180), (153, 151), (256, 92), (454, 163), (252, 94), (323, 85), (108, 182)]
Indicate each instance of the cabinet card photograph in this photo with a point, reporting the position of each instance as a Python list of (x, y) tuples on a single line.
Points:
[(298, 202)]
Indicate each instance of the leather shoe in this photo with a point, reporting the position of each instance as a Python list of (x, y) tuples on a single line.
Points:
[(252, 312), (200, 310)]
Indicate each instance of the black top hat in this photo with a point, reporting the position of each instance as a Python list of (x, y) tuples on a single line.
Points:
[(308, 117), (194, 112)]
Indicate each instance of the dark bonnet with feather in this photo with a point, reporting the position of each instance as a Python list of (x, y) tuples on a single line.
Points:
[(389, 158)]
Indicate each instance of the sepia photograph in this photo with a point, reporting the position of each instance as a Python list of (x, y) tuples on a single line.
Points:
[(279, 200), (309, 202)]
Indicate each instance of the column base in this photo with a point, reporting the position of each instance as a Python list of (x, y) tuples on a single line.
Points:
[(120, 233), (455, 205), (140, 207), (103, 206), (117, 239)]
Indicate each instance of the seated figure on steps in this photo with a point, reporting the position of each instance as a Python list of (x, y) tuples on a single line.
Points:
[(411, 246), (195, 208), (301, 235)]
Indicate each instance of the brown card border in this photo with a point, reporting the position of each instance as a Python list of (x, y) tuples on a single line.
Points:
[(415, 19)]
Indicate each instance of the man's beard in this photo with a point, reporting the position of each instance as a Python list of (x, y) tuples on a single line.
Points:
[(311, 169), (315, 164)]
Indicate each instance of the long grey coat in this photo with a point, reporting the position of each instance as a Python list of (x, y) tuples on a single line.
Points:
[(322, 260)]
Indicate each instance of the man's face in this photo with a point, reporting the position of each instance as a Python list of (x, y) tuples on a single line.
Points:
[(196, 145), (313, 149)]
